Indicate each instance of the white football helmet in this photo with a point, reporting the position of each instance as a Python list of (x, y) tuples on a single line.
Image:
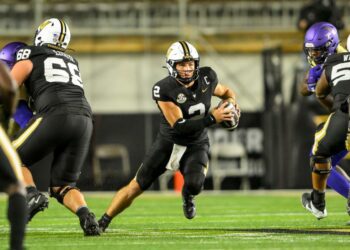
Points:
[(54, 33), (179, 52)]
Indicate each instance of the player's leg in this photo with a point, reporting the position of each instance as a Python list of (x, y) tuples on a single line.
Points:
[(338, 180), (17, 214), (151, 168), (194, 168), (11, 182), (71, 197), (315, 201), (121, 200), (328, 141), (33, 144), (69, 156)]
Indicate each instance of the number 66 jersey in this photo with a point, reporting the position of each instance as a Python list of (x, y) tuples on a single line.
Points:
[(55, 83)]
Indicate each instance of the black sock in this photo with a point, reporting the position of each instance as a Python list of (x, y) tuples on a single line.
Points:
[(31, 189), (82, 212), (318, 199), (17, 215), (106, 217)]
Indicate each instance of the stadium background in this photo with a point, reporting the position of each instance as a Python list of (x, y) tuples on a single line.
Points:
[(254, 46)]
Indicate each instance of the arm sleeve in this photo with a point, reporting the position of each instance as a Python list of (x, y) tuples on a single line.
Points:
[(184, 126)]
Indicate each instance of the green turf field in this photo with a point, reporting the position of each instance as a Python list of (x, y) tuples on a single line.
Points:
[(236, 220)]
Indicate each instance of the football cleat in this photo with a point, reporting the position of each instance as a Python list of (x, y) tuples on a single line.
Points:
[(89, 225), (36, 202), (103, 223), (309, 205), (189, 207)]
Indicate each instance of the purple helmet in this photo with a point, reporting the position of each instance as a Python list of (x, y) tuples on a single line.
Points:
[(321, 40), (8, 53)]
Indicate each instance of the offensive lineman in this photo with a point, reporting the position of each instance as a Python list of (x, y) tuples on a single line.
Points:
[(62, 124), (184, 99)]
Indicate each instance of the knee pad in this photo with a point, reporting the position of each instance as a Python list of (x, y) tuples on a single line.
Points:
[(194, 183), (320, 159), (61, 192)]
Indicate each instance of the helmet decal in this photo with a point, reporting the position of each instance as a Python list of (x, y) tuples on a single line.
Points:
[(42, 26), (186, 50), (63, 32)]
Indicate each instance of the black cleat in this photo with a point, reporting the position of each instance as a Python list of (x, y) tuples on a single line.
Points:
[(189, 206), (308, 204), (36, 202), (89, 225), (103, 223)]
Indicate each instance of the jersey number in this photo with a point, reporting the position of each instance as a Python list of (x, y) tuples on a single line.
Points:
[(60, 73), (340, 72), (198, 107), (23, 54), (156, 90)]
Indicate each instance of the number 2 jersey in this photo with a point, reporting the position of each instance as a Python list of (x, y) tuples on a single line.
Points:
[(194, 103), (337, 70), (55, 83)]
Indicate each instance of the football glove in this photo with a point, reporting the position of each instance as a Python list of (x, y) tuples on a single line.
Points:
[(314, 75)]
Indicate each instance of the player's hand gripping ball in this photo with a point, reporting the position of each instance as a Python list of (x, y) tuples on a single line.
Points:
[(231, 125)]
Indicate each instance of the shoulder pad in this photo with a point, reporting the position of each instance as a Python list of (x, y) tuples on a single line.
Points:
[(341, 49), (336, 58)]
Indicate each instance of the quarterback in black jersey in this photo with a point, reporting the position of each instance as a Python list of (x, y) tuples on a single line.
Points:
[(333, 136), (11, 178), (183, 99), (62, 124)]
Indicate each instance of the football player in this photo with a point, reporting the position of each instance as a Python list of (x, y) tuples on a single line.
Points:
[(11, 178), (184, 99), (23, 113), (62, 124), (321, 42)]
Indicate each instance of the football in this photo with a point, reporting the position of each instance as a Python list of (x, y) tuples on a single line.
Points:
[(230, 125)]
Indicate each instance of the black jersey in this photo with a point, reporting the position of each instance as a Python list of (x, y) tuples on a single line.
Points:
[(337, 69), (55, 83), (194, 103)]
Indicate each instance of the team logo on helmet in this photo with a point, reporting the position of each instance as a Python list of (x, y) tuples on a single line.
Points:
[(43, 25)]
